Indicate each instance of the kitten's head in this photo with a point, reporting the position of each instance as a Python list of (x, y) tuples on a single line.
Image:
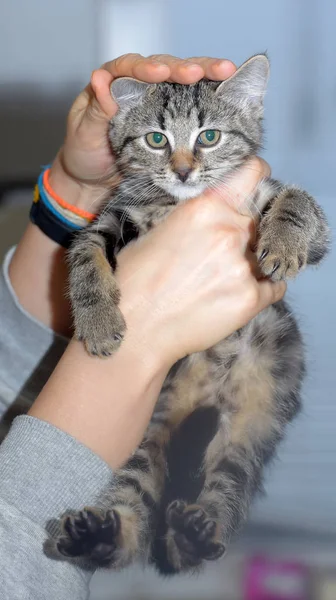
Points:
[(185, 138)]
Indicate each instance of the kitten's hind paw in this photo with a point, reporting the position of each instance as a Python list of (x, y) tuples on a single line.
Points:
[(194, 533), (90, 534)]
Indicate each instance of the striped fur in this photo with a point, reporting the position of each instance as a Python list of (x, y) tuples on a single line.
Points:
[(221, 414)]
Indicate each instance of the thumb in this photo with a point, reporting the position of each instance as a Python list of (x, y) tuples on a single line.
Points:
[(102, 101), (270, 292), (94, 107), (241, 185)]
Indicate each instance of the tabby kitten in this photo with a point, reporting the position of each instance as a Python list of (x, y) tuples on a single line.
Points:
[(221, 413)]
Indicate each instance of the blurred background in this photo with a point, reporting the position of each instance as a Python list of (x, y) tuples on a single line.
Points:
[(48, 49)]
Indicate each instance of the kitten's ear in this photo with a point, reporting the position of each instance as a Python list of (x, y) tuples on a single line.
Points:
[(249, 82), (128, 92)]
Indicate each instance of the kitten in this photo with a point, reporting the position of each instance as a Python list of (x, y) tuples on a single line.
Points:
[(221, 414)]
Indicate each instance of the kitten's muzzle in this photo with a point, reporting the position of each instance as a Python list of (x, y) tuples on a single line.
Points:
[(183, 173), (182, 163)]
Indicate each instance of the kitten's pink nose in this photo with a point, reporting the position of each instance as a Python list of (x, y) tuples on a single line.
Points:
[(182, 163), (183, 172)]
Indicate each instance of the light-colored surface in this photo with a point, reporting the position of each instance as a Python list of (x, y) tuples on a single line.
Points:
[(119, 35), (48, 51)]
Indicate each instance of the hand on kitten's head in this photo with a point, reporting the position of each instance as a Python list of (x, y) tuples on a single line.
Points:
[(86, 156)]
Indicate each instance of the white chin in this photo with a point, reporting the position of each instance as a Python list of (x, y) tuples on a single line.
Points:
[(184, 192)]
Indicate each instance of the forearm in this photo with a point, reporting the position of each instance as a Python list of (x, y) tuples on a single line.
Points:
[(38, 270), (38, 275), (105, 404)]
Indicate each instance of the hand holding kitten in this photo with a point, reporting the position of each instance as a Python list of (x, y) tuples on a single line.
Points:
[(202, 285)]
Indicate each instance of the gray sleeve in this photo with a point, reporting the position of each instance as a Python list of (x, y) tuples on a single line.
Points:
[(29, 351), (43, 471)]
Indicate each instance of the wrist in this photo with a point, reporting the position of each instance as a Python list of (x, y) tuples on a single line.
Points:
[(145, 333), (106, 404), (82, 195)]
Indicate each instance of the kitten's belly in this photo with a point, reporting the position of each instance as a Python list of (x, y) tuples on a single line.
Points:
[(188, 386), (236, 375)]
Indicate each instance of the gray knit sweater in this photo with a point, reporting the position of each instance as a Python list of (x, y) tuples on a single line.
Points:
[(43, 471)]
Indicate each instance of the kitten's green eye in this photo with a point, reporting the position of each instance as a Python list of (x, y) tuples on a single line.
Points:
[(156, 140), (210, 137)]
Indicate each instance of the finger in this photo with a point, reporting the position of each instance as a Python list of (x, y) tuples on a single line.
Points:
[(102, 103), (98, 94), (154, 69), (148, 69), (94, 104), (181, 70), (240, 187), (245, 180), (186, 72), (270, 292), (193, 69), (101, 80), (216, 69)]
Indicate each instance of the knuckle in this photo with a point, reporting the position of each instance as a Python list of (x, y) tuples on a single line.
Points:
[(201, 211), (163, 58), (232, 238), (229, 240), (120, 61), (242, 270)]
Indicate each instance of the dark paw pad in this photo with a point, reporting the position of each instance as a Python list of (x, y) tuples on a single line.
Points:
[(90, 534), (195, 532)]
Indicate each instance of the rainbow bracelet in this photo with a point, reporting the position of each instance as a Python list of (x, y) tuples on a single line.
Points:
[(55, 217)]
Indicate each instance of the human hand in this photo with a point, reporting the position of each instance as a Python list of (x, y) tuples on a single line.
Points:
[(193, 280), (83, 168)]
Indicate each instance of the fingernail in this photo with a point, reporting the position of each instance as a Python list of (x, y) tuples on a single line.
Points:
[(223, 62)]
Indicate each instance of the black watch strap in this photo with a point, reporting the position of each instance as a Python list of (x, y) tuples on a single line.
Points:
[(53, 224)]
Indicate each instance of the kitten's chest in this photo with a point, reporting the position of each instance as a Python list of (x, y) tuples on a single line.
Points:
[(146, 217)]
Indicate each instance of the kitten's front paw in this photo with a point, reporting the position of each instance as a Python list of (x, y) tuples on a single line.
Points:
[(101, 328), (279, 258), (90, 534)]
